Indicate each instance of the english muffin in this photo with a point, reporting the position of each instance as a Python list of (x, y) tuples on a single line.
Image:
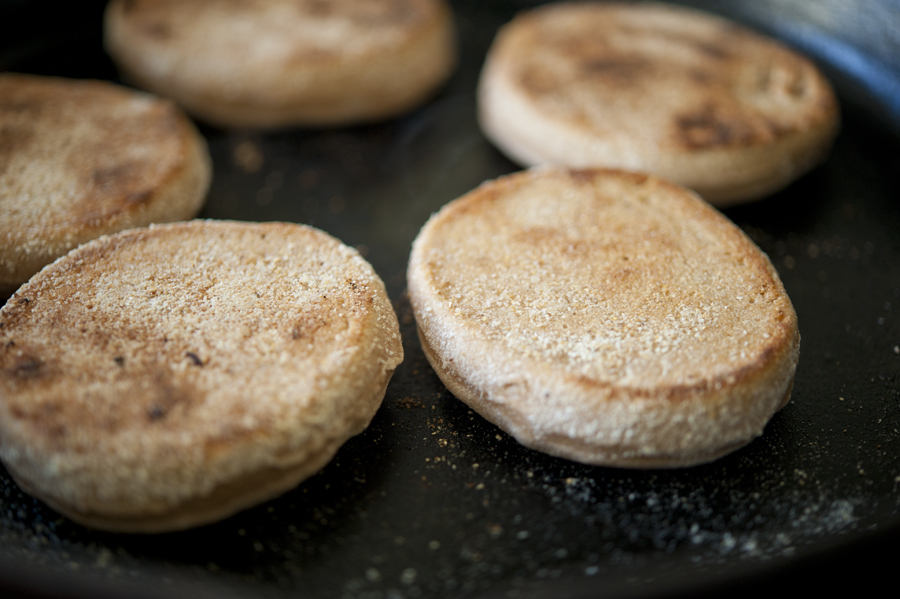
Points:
[(274, 63), (668, 90), (80, 159), (167, 377), (604, 316)]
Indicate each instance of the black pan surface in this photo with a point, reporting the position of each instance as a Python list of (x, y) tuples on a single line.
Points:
[(433, 501)]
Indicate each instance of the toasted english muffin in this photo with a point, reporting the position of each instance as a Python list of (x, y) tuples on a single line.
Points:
[(167, 377), (603, 316), (80, 159), (668, 90), (274, 63)]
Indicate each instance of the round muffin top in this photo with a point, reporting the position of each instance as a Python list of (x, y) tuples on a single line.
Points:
[(604, 316), (664, 89), (149, 368), (273, 63)]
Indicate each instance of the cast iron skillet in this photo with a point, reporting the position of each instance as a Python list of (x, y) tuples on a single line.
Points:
[(433, 501)]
